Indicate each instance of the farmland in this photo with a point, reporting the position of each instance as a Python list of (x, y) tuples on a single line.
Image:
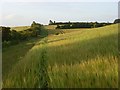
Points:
[(84, 58)]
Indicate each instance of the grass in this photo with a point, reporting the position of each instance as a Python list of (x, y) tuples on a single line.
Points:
[(13, 54), (20, 28), (51, 30), (50, 26), (82, 58), (85, 74)]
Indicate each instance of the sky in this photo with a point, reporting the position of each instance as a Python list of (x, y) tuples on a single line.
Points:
[(24, 13)]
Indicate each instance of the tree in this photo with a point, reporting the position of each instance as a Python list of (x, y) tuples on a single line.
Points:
[(33, 24), (117, 21), (6, 33), (50, 22), (35, 29), (15, 35)]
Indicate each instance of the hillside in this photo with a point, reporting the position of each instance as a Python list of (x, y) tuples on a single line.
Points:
[(86, 58), (20, 28), (50, 26)]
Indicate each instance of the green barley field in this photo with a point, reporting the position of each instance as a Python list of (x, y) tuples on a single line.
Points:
[(75, 58)]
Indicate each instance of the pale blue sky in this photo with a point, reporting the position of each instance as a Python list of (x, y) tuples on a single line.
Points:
[(16, 13)]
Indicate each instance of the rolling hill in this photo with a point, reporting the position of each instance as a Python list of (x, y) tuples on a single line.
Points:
[(84, 58)]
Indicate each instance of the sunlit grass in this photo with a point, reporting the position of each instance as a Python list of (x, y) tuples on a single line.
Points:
[(99, 72), (20, 28), (86, 59)]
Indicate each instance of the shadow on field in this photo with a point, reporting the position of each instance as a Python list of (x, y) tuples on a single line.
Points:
[(84, 50), (11, 55)]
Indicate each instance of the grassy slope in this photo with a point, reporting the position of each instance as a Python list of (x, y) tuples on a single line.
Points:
[(17, 51), (13, 54), (85, 58), (50, 26), (51, 30), (20, 28)]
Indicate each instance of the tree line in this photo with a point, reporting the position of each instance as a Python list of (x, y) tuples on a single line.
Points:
[(81, 25), (13, 37), (71, 25)]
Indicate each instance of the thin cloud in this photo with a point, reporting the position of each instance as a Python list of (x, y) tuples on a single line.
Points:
[(10, 16)]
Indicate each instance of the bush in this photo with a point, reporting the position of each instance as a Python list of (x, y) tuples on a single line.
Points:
[(15, 35)]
